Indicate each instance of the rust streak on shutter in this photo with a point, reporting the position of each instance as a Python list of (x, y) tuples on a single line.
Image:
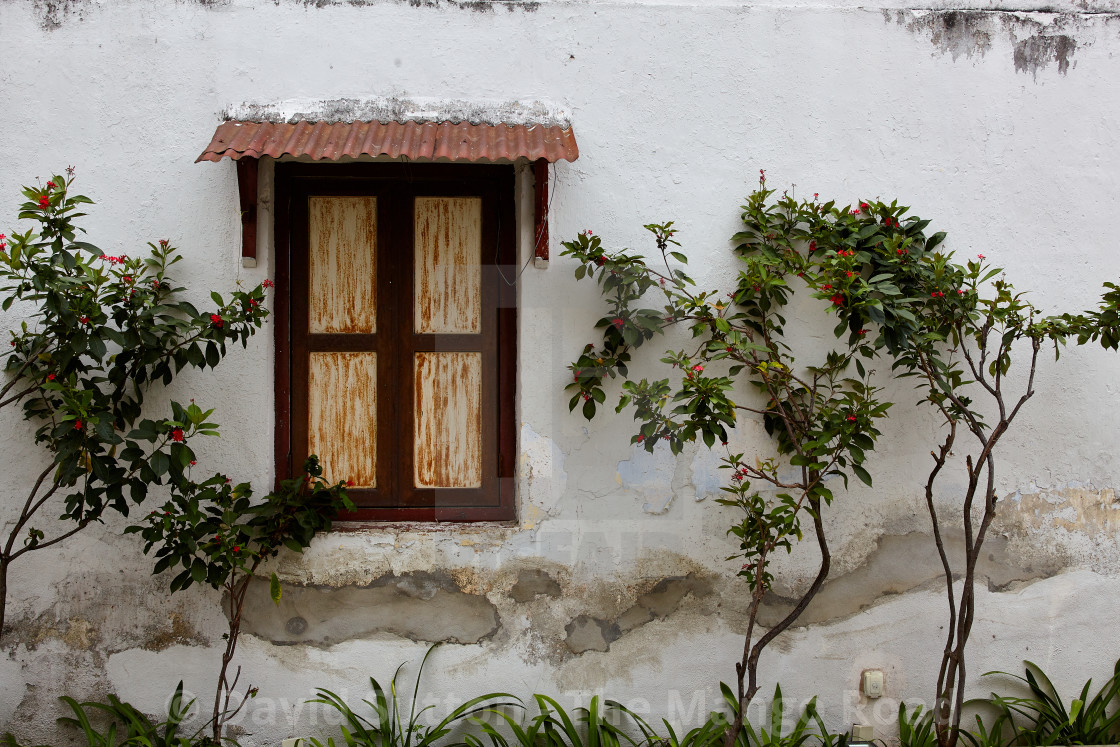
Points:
[(342, 415), (448, 417), (448, 286), (343, 282)]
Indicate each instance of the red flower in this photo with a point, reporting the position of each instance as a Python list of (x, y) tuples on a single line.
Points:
[(729, 348), (812, 246), (155, 284), (3, 236), (863, 205), (237, 548), (84, 320), (862, 332), (77, 425), (849, 273), (126, 278), (216, 320), (50, 185), (816, 195), (851, 418), (698, 368), (163, 242), (855, 212), (589, 232), (267, 283), (3, 246), (600, 260), (50, 377), (44, 201), (177, 434), (618, 322), (193, 462), (979, 256), (641, 438), (838, 299), (826, 287), (349, 483)]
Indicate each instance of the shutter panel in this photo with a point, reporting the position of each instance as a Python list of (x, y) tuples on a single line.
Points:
[(342, 237), (342, 410)]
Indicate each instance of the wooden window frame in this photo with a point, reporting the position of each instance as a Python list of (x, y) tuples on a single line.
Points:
[(398, 183)]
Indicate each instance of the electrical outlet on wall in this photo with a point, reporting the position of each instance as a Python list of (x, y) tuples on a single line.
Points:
[(872, 683)]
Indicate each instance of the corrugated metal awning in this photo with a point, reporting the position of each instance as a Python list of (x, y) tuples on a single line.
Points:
[(461, 141)]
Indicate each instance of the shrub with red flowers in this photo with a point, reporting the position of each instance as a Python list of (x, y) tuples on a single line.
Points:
[(956, 328), (90, 346)]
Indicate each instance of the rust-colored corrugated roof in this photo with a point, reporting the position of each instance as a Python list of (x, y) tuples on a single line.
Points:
[(430, 140)]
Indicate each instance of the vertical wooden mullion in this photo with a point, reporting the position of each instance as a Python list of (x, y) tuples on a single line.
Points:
[(410, 495), (387, 369), (300, 358)]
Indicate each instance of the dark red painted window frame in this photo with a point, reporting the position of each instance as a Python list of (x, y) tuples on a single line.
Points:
[(398, 183)]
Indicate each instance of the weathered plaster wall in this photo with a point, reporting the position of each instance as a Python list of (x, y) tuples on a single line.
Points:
[(997, 122)]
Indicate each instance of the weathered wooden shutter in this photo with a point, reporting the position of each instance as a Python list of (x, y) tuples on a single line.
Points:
[(402, 343)]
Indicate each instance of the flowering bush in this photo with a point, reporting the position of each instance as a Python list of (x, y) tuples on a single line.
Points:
[(99, 331)]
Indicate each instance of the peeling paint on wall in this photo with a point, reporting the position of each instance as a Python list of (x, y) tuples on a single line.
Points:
[(587, 633), (419, 606)]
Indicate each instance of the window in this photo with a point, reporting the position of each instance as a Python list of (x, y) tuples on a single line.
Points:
[(395, 334)]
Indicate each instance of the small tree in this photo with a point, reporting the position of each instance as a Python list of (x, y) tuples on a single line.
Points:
[(213, 533), (99, 332)]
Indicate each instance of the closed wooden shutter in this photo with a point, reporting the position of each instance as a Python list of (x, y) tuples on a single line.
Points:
[(401, 333)]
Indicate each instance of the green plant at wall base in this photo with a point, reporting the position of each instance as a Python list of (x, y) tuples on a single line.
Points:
[(213, 532), (98, 332), (1042, 719), (915, 729), (129, 725), (387, 727)]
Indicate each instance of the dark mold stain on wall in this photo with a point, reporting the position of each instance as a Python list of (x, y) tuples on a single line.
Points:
[(1036, 42)]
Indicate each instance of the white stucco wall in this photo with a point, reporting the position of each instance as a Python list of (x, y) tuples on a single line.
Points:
[(998, 123)]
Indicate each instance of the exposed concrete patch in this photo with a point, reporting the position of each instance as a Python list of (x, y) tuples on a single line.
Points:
[(533, 583), (586, 633), (1038, 39), (420, 606), (76, 632), (1078, 524), (180, 633), (901, 563)]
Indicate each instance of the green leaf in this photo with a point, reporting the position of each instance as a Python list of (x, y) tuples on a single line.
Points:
[(274, 589), (862, 474)]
